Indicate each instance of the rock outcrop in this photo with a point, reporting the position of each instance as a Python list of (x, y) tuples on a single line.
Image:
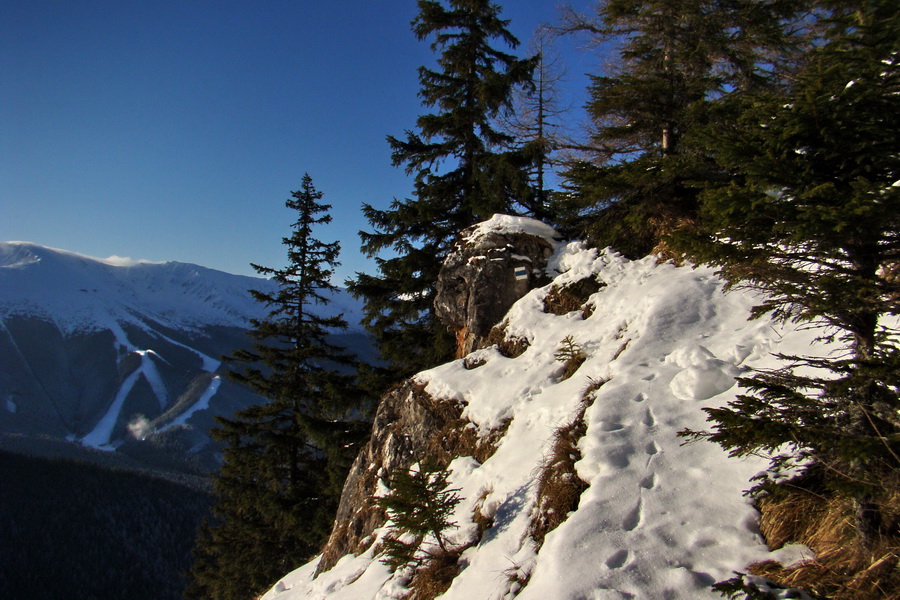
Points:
[(409, 426), (492, 265)]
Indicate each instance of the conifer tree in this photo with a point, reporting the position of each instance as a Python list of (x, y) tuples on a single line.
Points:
[(674, 56), (811, 216), (419, 504), (462, 175), (284, 460)]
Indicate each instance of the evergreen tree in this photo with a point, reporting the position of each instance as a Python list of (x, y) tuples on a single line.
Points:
[(462, 176), (811, 216), (284, 460), (419, 504), (674, 56)]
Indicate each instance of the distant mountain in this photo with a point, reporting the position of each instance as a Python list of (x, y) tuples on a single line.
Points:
[(124, 355)]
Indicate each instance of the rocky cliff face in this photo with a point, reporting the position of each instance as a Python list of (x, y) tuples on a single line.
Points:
[(409, 426), (492, 265)]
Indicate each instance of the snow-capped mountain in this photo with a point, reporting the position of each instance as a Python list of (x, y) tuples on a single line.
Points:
[(106, 351), (652, 517)]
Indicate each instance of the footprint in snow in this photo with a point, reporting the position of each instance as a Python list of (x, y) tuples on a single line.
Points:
[(618, 559), (634, 517), (610, 426)]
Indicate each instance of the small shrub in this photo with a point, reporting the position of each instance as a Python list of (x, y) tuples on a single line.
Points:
[(571, 355)]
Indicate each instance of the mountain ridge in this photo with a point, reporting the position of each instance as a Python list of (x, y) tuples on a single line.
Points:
[(107, 352)]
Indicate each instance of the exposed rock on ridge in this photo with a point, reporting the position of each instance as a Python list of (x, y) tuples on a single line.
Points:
[(409, 426), (492, 265)]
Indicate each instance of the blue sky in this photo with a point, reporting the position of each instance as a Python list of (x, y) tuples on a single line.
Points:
[(175, 129)]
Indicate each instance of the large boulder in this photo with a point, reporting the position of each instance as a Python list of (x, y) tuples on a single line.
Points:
[(492, 265)]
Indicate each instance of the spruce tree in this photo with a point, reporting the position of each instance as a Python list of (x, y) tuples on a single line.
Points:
[(285, 459), (462, 175), (811, 216), (419, 504), (673, 57)]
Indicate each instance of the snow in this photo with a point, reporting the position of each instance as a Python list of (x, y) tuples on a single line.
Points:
[(79, 292), (201, 404), (101, 435), (510, 224), (659, 519)]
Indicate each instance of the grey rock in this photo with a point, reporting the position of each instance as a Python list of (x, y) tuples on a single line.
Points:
[(478, 282)]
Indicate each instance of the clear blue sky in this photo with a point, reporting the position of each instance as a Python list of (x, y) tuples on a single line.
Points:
[(175, 129)]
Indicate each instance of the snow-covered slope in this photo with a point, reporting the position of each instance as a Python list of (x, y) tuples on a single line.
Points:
[(78, 292), (659, 519), (102, 351)]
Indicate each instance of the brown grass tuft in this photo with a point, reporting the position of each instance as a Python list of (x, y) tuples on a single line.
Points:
[(844, 568), (516, 579), (482, 521), (510, 347), (562, 300), (434, 577), (559, 488), (458, 436)]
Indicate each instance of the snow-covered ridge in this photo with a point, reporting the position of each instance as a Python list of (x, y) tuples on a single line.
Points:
[(80, 292), (659, 519), (510, 224)]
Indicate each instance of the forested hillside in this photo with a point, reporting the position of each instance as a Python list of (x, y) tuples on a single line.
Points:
[(73, 529)]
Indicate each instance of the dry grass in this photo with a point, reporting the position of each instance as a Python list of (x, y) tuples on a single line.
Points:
[(510, 347), (844, 568), (482, 521), (435, 576), (559, 488), (562, 300), (517, 578), (458, 436)]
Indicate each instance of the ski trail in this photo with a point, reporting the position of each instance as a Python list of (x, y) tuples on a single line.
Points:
[(210, 365), (202, 403), (151, 373), (100, 436)]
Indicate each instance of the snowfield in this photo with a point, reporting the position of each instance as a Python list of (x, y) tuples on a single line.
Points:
[(79, 292), (660, 519)]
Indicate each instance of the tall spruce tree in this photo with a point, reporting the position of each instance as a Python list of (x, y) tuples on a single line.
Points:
[(673, 57), (811, 216), (462, 175), (284, 460)]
